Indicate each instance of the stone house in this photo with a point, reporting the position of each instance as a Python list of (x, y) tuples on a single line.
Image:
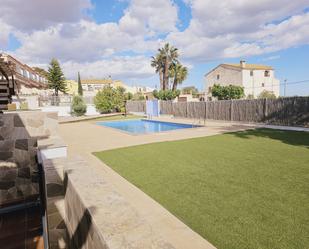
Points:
[(254, 78)]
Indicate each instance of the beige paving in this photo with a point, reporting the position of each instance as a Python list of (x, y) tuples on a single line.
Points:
[(86, 137)]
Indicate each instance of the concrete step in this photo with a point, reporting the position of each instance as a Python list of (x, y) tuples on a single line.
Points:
[(3, 107), (2, 98), (3, 87), (4, 94), (5, 90)]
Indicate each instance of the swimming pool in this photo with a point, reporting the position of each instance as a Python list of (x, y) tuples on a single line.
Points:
[(143, 126)]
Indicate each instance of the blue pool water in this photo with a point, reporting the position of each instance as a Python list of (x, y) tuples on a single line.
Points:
[(142, 126)]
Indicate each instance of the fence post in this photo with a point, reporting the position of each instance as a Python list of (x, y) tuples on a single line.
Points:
[(231, 110), (186, 110), (265, 110), (205, 110)]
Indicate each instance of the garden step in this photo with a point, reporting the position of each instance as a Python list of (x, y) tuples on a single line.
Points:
[(3, 107)]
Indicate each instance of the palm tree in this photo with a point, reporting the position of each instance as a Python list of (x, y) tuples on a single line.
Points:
[(169, 55), (179, 73), (158, 63)]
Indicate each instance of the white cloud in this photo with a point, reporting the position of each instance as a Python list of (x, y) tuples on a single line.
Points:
[(154, 16), (271, 58), (83, 42), (213, 18), (118, 67), (217, 30), (30, 15), (241, 28), (4, 34), (88, 41)]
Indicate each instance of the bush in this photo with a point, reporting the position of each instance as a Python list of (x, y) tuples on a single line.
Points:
[(267, 95), (138, 96), (166, 94), (24, 105), (227, 92), (110, 99), (78, 106)]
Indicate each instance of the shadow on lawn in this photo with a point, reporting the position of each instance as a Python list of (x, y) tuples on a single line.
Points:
[(296, 138)]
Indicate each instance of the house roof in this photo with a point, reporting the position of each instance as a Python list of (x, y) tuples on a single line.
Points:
[(238, 66), (248, 66), (97, 81)]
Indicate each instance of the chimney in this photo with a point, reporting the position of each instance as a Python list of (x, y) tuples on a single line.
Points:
[(243, 63)]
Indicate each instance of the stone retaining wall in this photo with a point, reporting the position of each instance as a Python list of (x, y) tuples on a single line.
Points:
[(85, 212), (19, 133), (97, 216)]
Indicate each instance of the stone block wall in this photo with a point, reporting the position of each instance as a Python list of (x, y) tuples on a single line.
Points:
[(19, 133), (97, 216)]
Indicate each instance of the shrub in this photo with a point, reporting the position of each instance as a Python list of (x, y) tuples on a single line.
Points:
[(267, 95), (110, 99), (166, 94), (227, 92), (138, 96), (24, 105), (78, 107)]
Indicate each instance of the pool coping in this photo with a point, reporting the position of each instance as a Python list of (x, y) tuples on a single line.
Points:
[(150, 133)]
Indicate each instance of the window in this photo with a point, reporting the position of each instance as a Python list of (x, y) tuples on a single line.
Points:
[(263, 84), (266, 73), (251, 73), (218, 76)]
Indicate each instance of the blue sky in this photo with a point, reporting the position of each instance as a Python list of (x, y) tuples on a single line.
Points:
[(118, 37)]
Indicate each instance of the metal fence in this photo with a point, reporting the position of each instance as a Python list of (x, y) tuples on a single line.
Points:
[(293, 111)]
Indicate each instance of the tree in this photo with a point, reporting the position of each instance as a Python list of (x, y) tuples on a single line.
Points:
[(166, 94), (56, 79), (119, 98), (128, 96), (267, 95), (178, 73), (158, 63), (169, 55), (80, 88), (41, 71), (227, 92), (103, 100), (166, 56)]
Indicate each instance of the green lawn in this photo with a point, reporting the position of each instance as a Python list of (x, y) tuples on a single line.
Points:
[(243, 190)]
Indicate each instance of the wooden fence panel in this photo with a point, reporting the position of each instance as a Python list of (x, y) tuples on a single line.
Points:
[(166, 107), (136, 106), (287, 111), (196, 110), (218, 110), (248, 110), (180, 109), (282, 111)]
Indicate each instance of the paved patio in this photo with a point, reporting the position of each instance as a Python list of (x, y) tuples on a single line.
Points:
[(83, 138)]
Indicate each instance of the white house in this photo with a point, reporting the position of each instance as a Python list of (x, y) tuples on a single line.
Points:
[(254, 78)]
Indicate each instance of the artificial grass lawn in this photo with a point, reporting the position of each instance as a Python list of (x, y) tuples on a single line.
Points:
[(238, 190)]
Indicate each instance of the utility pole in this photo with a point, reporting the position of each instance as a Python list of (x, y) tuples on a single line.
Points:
[(285, 87)]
